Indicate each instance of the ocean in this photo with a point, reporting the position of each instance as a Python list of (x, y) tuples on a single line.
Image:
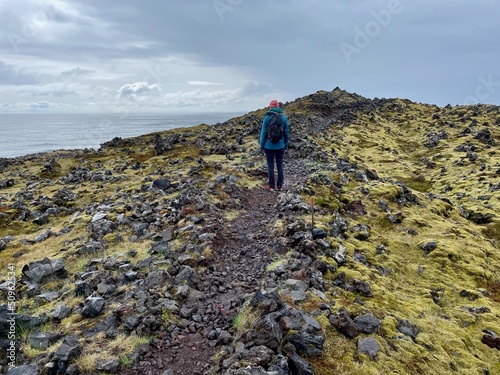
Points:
[(22, 134)]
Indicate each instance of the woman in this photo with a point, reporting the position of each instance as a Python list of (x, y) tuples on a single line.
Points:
[(274, 149)]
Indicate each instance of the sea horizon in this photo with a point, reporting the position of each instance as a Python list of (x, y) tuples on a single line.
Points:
[(31, 133)]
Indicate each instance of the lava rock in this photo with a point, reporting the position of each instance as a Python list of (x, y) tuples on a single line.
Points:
[(369, 346), (344, 324), (93, 306)]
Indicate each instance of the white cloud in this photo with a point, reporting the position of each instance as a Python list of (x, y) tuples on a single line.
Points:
[(138, 90), (202, 83)]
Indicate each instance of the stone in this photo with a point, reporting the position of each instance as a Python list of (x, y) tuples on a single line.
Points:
[(92, 307), (60, 313), (82, 288), (339, 227), (267, 332), (186, 274), (296, 285), (159, 248), (91, 247), (43, 236), (298, 295), (344, 324), (367, 323), (319, 234), (368, 346), (362, 287), (279, 365), (359, 257), (258, 356), (429, 246), (300, 365), (105, 289), (131, 276), (42, 340), (383, 205), (63, 196), (109, 366), (407, 328), (340, 255), (44, 270), (23, 370), (491, 339), (360, 232), (99, 216), (46, 297), (69, 349), (307, 344), (132, 322)]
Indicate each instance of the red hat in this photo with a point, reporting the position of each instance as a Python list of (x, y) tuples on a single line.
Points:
[(274, 104)]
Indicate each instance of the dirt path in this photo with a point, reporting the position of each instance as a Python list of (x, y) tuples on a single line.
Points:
[(241, 251)]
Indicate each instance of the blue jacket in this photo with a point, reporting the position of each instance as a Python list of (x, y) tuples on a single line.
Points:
[(265, 142)]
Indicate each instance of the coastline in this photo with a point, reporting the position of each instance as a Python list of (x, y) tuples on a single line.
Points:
[(29, 133)]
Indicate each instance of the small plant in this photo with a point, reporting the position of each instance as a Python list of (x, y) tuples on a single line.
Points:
[(165, 317), (124, 360)]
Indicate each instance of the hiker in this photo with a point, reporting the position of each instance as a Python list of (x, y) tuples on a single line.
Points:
[(274, 142)]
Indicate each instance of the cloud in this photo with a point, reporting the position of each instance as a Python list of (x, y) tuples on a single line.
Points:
[(253, 88), (137, 90), (427, 52), (38, 106), (10, 75), (76, 72), (202, 83)]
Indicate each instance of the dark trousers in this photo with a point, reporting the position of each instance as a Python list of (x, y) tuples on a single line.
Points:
[(272, 156)]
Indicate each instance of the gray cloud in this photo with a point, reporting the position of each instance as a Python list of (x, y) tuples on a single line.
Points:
[(422, 50), (76, 72), (10, 75)]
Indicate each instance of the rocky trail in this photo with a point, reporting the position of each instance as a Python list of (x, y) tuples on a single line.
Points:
[(242, 250)]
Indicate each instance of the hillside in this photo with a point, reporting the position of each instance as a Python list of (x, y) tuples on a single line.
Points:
[(164, 254)]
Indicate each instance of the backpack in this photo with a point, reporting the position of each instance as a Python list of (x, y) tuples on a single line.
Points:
[(275, 127)]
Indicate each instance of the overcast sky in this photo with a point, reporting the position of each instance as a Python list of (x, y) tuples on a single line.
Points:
[(236, 55)]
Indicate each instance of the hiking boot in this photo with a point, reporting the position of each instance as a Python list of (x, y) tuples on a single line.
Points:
[(269, 187)]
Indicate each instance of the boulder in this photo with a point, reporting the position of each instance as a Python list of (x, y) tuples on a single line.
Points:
[(93, 306), (407, 328), (344, 324), (69, 349), (307, 344), (162, 184), (42, 340), (44, 270), (429, 246), (267, 332), (368, 346), (60, 313), (367, 323)]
